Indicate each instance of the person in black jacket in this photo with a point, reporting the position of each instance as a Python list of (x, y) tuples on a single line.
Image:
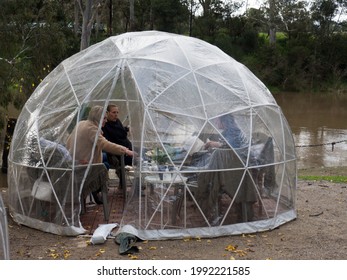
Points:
[(114, 131)]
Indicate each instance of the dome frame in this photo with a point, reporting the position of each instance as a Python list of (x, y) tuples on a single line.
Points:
[(175, 91)]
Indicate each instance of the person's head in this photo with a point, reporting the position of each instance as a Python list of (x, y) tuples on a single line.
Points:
[(226, 121), (95, 115), (112, 112)]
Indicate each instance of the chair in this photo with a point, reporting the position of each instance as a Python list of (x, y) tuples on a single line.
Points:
[(266, 175), (117, 163), (97, 177), (64, 185), (223, 175)]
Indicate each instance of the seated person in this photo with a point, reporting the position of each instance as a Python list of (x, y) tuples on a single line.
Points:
[(115, 132), (233, 137), (231, 132), (84, 135)]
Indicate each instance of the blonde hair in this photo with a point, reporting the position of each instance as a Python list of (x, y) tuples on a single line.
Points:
[(95, 113)]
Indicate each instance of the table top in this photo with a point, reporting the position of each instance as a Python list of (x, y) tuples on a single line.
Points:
[(175, 179)]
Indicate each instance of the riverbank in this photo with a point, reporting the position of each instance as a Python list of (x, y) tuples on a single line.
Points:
[(319, 232)]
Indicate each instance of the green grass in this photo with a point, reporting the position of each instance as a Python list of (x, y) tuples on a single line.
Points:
[(333, 179)]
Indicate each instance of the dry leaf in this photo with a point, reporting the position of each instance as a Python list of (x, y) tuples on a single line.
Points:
[(133, 257), (66, 254), (241, 253), (230, 248)]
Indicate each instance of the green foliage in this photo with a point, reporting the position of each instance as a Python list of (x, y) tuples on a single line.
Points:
[(168, 15), (34, 38), (332, 179), (158, 155)]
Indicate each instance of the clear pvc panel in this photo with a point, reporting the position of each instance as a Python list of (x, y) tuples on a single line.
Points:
[(193, 110), (4, 242)]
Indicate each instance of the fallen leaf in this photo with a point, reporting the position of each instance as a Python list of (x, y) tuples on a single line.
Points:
[(133, 257), (241, 253), (230, 248), (66, 254)]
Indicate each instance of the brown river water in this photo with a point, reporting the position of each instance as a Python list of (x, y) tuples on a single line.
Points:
[(317, 121)]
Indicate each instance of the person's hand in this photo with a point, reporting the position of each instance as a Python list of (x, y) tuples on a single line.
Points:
[(130, 153), (212, 144)]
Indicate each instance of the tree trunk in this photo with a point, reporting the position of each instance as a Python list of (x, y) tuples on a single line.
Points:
[(88, 11), (76, 16), (272, 24), (206, 7), (151, 16), (110, 18), (86, 24), (132, 15)]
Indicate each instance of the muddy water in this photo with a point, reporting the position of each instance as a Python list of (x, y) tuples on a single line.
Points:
[(317, 121)]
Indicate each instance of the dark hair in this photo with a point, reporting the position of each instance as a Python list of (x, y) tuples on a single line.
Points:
[(110, 106)]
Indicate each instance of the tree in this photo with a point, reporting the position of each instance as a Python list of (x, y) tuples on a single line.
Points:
[(132, 15), (294, 18), (323, 13), (272, 23), (169, 15), (34, 37), (192, 6), (89, 10)]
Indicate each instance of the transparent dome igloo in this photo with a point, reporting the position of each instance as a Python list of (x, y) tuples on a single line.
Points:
[(4, 244), (177, 93)]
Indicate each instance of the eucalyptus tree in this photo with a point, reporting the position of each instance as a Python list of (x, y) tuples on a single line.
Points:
[(169, 15), (192, 6), (323, 13), (34, 37), (330, 44), (214, 16), (90, 10), (294, 18)]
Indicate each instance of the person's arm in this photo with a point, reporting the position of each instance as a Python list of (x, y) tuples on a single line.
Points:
[(113, 148), (213, 144)]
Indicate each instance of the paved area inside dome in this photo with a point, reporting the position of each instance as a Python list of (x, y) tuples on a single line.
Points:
[(94, 215)]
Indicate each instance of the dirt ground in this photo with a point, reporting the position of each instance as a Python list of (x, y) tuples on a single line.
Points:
[(319, 232)]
